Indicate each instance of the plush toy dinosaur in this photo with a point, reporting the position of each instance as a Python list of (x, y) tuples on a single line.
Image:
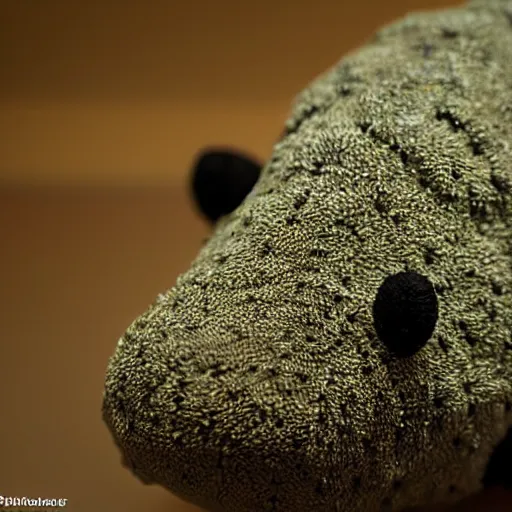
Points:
[(343, 341)]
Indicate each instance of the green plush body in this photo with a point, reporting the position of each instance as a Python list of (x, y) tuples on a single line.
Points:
[(258, 382)]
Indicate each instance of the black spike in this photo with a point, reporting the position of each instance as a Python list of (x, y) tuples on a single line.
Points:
[(221, 180)]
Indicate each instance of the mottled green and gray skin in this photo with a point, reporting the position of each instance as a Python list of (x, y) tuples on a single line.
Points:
[(258, 382)]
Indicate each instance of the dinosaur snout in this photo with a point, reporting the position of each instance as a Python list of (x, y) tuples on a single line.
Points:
[(222, 433)]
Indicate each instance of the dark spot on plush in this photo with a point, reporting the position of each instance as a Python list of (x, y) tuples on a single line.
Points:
[(302, 376), (449, 33), (423, 182), (430, 256), (267, 249), (302, 200), (500, 183), (456, 442), (297, 443), (351, 317), (337, 298), (141, 323), (262, 414), (217, 372), (318, 169), (130, 426), (472, 192), (253, 368), (178, 399), (456, 175), (471, 340), (427, 49), (356, 482), (205, 429), (319, 253), (344, 90), (221, 180), (222, 259), (182, 384), (155, 420), (405, 312), (438, 402), (471, 409), (232, 395), (404, 157), (380, 206), (394, 381), (476, 147), (497, 288), (364, 126), (322, 418), (443, 115), (395, 218)]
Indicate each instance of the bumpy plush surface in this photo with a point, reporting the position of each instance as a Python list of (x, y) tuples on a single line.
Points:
[(259, 382)]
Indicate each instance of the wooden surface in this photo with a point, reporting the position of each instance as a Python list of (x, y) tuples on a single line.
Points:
[(76, 267), (119, 92)]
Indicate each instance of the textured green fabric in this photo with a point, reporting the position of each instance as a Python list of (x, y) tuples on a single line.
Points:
[(258, 382)]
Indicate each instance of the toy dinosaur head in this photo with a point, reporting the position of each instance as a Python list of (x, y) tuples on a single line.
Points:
[(328, 348)]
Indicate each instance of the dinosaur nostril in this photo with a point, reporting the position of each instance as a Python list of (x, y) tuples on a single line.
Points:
[(405, 312)]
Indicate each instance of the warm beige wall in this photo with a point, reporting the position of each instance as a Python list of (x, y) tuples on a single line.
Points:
[(126, 92)]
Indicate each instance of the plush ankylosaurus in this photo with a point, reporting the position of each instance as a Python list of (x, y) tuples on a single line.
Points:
[(343, 341)]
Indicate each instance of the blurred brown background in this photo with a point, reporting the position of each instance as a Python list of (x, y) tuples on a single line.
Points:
[(103, 106)]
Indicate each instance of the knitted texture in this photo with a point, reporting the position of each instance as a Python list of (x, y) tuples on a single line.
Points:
[(258, 382)]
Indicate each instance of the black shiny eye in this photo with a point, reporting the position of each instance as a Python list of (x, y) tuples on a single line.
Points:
[(221, 180), (405, 312)]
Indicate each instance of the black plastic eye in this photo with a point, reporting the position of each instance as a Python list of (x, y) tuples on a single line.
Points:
[(221, 180), (405, 312)]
